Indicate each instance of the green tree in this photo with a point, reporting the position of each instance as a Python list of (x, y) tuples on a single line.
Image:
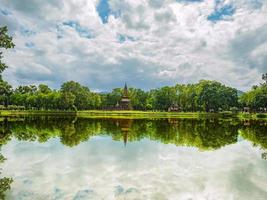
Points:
[(264, 78), (67, 100), (5, 42), (26, 89), (187, 97), (84, 99), (255, 98), (138, 98), (214, 95), (42, 88), (5, 92), (164, 98), (111, 99)]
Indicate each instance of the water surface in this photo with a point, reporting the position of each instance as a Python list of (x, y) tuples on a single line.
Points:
[(74, 158)]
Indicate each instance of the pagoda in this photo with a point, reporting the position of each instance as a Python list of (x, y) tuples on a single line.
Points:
[(125, 102)]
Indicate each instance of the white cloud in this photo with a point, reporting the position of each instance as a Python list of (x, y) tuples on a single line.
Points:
[(173, 43)]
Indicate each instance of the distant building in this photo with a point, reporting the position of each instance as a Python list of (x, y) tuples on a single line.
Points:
[(174, 108), (263, 109), (125, 102), (246, 109)]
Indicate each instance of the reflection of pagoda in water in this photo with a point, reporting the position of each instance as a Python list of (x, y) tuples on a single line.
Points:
[(125, 125)]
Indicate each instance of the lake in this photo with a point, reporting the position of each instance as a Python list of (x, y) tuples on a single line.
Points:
[(187, 159)]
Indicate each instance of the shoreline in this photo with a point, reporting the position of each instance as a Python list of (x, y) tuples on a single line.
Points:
[(136, 114)]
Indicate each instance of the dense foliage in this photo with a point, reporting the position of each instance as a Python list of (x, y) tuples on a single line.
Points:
[(256, 99), (203, 96), (5, 42)]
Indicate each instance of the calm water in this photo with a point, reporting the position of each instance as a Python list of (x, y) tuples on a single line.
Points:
[(70, 158)]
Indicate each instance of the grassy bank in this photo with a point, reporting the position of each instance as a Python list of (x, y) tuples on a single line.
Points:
[(141, 114), (158, 115), (10, 113), (254, 116), (137, 114)]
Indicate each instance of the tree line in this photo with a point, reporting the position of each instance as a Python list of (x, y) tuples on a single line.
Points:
[(202, 96), (205, 96)]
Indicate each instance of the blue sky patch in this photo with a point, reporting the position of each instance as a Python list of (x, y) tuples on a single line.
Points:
[(26, 32), (123, 38), (29, 44), (104, 11), (5, 12), (82, 31), (256, 4), (221, 13)]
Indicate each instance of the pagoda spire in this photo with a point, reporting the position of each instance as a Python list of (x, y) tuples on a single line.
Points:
[(125, 91)]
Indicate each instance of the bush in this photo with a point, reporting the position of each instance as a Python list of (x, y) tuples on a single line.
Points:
[(261, 116), (12, 107), (21, 107), (234, 109)]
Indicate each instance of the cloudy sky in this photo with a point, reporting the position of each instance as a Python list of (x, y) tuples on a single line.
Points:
[(146, 43)]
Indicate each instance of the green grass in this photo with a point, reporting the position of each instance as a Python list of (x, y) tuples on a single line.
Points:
[(134, 114), (138, 114), (10, 113), (255, 116)]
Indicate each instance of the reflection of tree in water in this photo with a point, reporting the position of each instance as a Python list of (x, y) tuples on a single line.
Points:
[(4, 182), (5, 136), (203, 134), (217, 134), (199, 133), (78, 131), (5, 132), (256, 132)]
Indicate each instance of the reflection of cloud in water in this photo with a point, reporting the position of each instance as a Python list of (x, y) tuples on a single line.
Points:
[(105, 169)]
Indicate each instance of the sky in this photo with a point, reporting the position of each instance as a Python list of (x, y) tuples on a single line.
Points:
[(147, 43)]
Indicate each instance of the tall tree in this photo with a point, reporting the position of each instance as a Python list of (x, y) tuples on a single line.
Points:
[(5, 42), (164, 98), (26, 89), (111, 99), (42, 88), (138, 98), (264, 77), (83, 97), (5, 92), (256, 98)]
